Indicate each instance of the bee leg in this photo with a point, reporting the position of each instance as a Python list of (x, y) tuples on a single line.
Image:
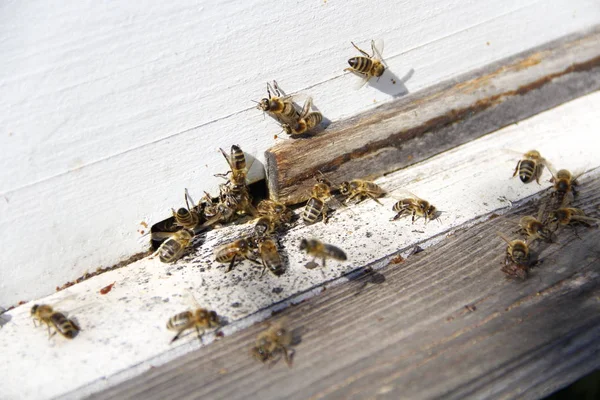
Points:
[(288, 357), (517, 169), (375, 198), (324, 259), (362, 51), (324, 212), (177, 336), (200, 334), (231, 264), (414, 213), (263, 270)]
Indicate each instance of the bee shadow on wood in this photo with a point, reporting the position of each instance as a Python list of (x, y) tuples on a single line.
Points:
[(390, 84), (364, 277)]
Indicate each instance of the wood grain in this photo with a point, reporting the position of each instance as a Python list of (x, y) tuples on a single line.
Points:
[(451, 113), (443, 323)]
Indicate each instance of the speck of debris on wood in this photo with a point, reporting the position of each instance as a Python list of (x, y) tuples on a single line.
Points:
[(237, 304), (471, 307), (107, 288), (397, 260), (277, 290), (494, 215)]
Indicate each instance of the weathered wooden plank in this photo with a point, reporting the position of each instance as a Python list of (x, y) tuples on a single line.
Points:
[(444, 322), (418, 126)]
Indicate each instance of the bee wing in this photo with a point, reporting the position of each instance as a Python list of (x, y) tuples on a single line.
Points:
[(306, 108), (503, 237), (191, 299), (226, 158), (377, 47), (403, 194), (362, 82), (278, 90)]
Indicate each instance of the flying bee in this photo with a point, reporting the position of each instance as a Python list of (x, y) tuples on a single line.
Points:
[(564, 185), (530, 166), (570, 216), (272, 342), (186, 217), (368, 66), (45, 314), (269, 255), (241, 248), (517, 261), (317, 204), (415, 206), (199, 318), (175, 246), (361, 189), (280, 106), (306, 121), (321, 250)]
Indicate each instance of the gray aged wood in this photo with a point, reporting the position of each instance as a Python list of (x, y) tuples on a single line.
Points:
[(426, 123), (443, 323)]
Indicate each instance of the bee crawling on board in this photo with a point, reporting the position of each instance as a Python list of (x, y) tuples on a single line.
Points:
[(274, 342), (416, 207), (570, 216), (269, 256), (530, 167), (318, 203), (517, 262), (565, 183), (199, 318), (175, 246), (318, 249), (534, 228), (368, 66), (243, 248), (278, 105), (358, 188), (45, 314), (307, 120)]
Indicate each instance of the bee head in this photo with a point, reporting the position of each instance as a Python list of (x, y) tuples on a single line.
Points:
[(34, 309), (287, 128), (264, 104), (378, 69), (303, 244), (345, 188)]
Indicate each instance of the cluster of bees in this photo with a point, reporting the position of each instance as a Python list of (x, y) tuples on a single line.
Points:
[(519, 257), (271, 218)]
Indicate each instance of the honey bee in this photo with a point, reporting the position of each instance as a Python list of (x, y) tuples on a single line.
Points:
[(241, 248), (416, 207), (368, 66), (222, 211), (199, 318), (517, 261), (317, 204), (279, 106), (570, 216), (274, 341), (265, 226), (306, 121), (321, 250), (186, 217), (45, 314), (175, 246), (237, 168), (361, 189), (267, 249), (564, 185), (534, 228), (530, 167), (276, 210)]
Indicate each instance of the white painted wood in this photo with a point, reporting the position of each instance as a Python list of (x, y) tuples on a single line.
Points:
[(111, 109), (124, 331)]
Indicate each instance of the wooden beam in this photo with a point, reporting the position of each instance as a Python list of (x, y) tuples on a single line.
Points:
[(451, 113), (442, 323)]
